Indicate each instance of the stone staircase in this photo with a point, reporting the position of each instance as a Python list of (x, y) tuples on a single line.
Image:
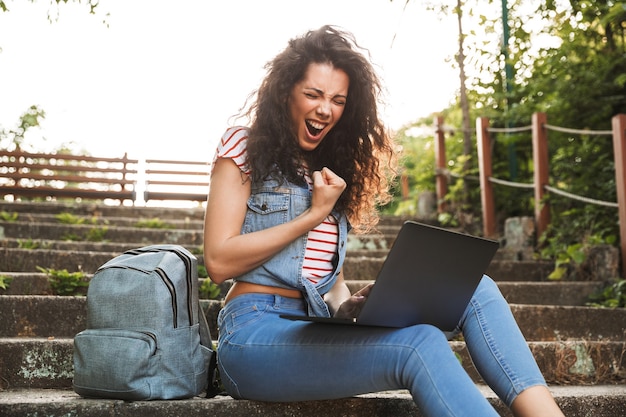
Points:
[(581, 350)]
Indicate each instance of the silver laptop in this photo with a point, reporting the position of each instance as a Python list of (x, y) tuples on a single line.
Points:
[(429, 276)]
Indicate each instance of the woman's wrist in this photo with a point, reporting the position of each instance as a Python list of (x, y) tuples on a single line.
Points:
[(314, 217)]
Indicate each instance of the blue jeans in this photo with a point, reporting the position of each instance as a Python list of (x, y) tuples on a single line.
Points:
[(267, 358)]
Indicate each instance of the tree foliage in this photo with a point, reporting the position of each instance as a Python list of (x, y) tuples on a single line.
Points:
[(568, 59), (14, 139), (54, 5)]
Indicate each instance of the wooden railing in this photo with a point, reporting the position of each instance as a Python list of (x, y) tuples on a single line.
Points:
[(25, 174), (60, 176), (176, 180), (541, 185)]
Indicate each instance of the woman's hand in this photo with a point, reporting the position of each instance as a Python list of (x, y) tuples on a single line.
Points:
[(353, 305), (327, 188)]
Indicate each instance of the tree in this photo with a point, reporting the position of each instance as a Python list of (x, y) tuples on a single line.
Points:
[(13, 139), (53, 9)]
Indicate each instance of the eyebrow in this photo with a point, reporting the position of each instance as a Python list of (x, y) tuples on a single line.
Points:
[(320, 92)]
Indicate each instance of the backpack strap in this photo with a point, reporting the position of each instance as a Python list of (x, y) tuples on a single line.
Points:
[(213, 386)]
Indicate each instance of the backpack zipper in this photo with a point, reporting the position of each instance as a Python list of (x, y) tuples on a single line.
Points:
[(170, 286), (183, 257), (188, 265)]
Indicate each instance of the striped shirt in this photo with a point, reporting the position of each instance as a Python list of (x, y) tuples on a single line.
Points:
[(321, 244)]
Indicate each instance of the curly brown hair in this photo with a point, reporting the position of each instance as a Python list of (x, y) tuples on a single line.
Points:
[(358, 148)]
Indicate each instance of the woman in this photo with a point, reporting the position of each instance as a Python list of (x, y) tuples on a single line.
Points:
[(284, 193)]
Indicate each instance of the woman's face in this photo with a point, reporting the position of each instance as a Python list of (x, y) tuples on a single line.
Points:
[(317, 103)]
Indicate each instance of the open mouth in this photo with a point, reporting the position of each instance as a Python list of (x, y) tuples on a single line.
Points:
[(314, 128)]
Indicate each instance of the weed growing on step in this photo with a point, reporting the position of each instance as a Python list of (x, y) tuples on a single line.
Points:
[(209, 290), (570, 256), (611, 296), (96, 234), (154, 223), (70, 218), (8, 217), (63, 282), (202, 272), (73, 237), (569, 259), (27, 244), (5, 282)]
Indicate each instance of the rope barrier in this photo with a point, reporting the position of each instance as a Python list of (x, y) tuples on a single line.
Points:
[(579, 131), (531, 186), (557, 191), (579, 198), (511, 184), (449, 129), (509, 129)]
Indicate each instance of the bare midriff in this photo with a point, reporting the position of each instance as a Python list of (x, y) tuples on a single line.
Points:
[(240, 288)]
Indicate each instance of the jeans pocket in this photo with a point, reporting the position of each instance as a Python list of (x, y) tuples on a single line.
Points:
[(241, 317)]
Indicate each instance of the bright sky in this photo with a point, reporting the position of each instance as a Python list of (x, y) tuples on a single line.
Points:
[(163, 79)]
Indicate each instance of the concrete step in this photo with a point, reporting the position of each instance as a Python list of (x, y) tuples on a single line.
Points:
[(48, 362), (566, 293), (101, 210), (28, 260), (541, 293), (141, 222), (355, 267), (134, 212), (575, 401), (55, 316), (74, 246), (44, 233), (367, 267), (37, 283), (384, 231), (559, 293), (98, 210), (131, 235)]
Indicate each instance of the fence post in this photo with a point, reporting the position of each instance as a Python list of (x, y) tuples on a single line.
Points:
[(441, 179), (485, 170), (540, 162), (404, 186), (619, 150)]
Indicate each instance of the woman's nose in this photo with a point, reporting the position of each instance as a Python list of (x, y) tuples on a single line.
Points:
[(324, 108)]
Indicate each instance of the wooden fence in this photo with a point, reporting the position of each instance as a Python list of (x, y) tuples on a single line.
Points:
[(541, 185), (41, 175), (63, 176)]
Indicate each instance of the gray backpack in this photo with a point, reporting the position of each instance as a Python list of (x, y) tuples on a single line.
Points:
[(146, 336)]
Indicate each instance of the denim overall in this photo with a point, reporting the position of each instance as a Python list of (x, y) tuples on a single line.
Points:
[(271, 204)]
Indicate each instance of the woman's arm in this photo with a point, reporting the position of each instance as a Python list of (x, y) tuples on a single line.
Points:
[(337, 294), (228, 253)]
